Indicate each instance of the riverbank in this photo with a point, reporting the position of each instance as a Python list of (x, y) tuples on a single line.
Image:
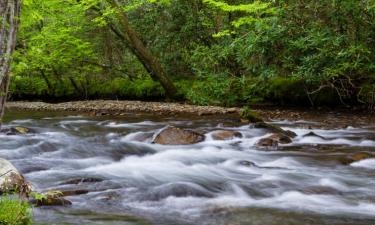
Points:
[(335, 118), (110, 107)]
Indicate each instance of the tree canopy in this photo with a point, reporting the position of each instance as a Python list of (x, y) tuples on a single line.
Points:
[(220, 52)]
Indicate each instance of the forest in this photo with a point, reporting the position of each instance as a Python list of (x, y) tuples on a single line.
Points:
[(208, 52), (187, 112)]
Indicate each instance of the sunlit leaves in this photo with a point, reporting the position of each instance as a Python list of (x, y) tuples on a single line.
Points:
[(255, 11), (49, 36)]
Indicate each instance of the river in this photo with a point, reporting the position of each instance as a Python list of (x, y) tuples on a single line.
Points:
[(228, 182)]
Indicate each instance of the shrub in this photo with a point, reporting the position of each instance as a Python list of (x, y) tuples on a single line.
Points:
[(13, 211)]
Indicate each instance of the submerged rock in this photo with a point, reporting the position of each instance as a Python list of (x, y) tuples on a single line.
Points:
[(320, 190), (312, 134), (64, 193), (355, 157), (179, 189), (176, 136), (274, 140), (10, 178), (225, 135), (83, 180), (247, 163), (74, 192), (139, 136)]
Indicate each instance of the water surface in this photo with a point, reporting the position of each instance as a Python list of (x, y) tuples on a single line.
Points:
[(213, 182)]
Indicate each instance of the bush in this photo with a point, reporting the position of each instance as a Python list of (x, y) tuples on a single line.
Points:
[(216, 91), (26, 88), (13, 211)]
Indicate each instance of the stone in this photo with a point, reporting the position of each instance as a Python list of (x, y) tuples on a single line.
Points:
[(177, 136), (247, 163), (247, 114), (225, 134), (83, 180), (320, 190), (267, 142), (312, 134), (50, 201), (58, 194), (355, 157), (10, 178), (17, 130), (74, 192), (275, 129), (274, 140)]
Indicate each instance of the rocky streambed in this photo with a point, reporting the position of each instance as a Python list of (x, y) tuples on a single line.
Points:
[(138, 168)]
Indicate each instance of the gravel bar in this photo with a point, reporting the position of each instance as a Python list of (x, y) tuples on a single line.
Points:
[(117, 107)]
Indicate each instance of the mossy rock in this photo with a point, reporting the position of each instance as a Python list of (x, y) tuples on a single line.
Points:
[(249, 115), (275, 129)]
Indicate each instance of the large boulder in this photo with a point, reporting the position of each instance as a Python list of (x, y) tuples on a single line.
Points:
[(225, 134), (10, 178), (176, 136), (274, 140)]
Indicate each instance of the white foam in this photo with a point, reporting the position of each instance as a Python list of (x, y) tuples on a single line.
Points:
[(284, 162), (366, 163), (330, 182)]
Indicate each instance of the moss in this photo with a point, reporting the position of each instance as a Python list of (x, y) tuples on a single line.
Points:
[(247, 114)]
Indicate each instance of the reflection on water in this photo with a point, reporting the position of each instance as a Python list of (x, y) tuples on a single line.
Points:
[(131, 181)]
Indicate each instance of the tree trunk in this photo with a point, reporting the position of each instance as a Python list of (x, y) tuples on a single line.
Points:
[(143, 54), (48, 82), (9, 20)]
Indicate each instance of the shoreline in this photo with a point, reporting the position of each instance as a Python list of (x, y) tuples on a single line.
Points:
[(331, 118), (112, 107)]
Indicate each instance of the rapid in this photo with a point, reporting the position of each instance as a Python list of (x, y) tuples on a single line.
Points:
[(129, 180)]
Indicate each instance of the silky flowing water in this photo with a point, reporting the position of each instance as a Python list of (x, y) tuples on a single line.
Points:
[(213, 182)]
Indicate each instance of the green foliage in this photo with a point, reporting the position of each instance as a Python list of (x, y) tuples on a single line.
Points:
[(215, 91), (117, 88), (37, 196), (14, 211), (219, 52), (255, 12)]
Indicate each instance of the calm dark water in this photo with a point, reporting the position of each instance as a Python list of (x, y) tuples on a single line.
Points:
[(207, 183)]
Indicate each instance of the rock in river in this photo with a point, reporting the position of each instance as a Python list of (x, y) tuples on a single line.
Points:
[(10, 178), (274, 140), (312, 134), (355, 157), (275, 129), (225, 134), (177, 136), (16, 130), (50, 201)]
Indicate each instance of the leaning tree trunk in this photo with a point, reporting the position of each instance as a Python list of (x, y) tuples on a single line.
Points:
[(9, 19), (143, 53)]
